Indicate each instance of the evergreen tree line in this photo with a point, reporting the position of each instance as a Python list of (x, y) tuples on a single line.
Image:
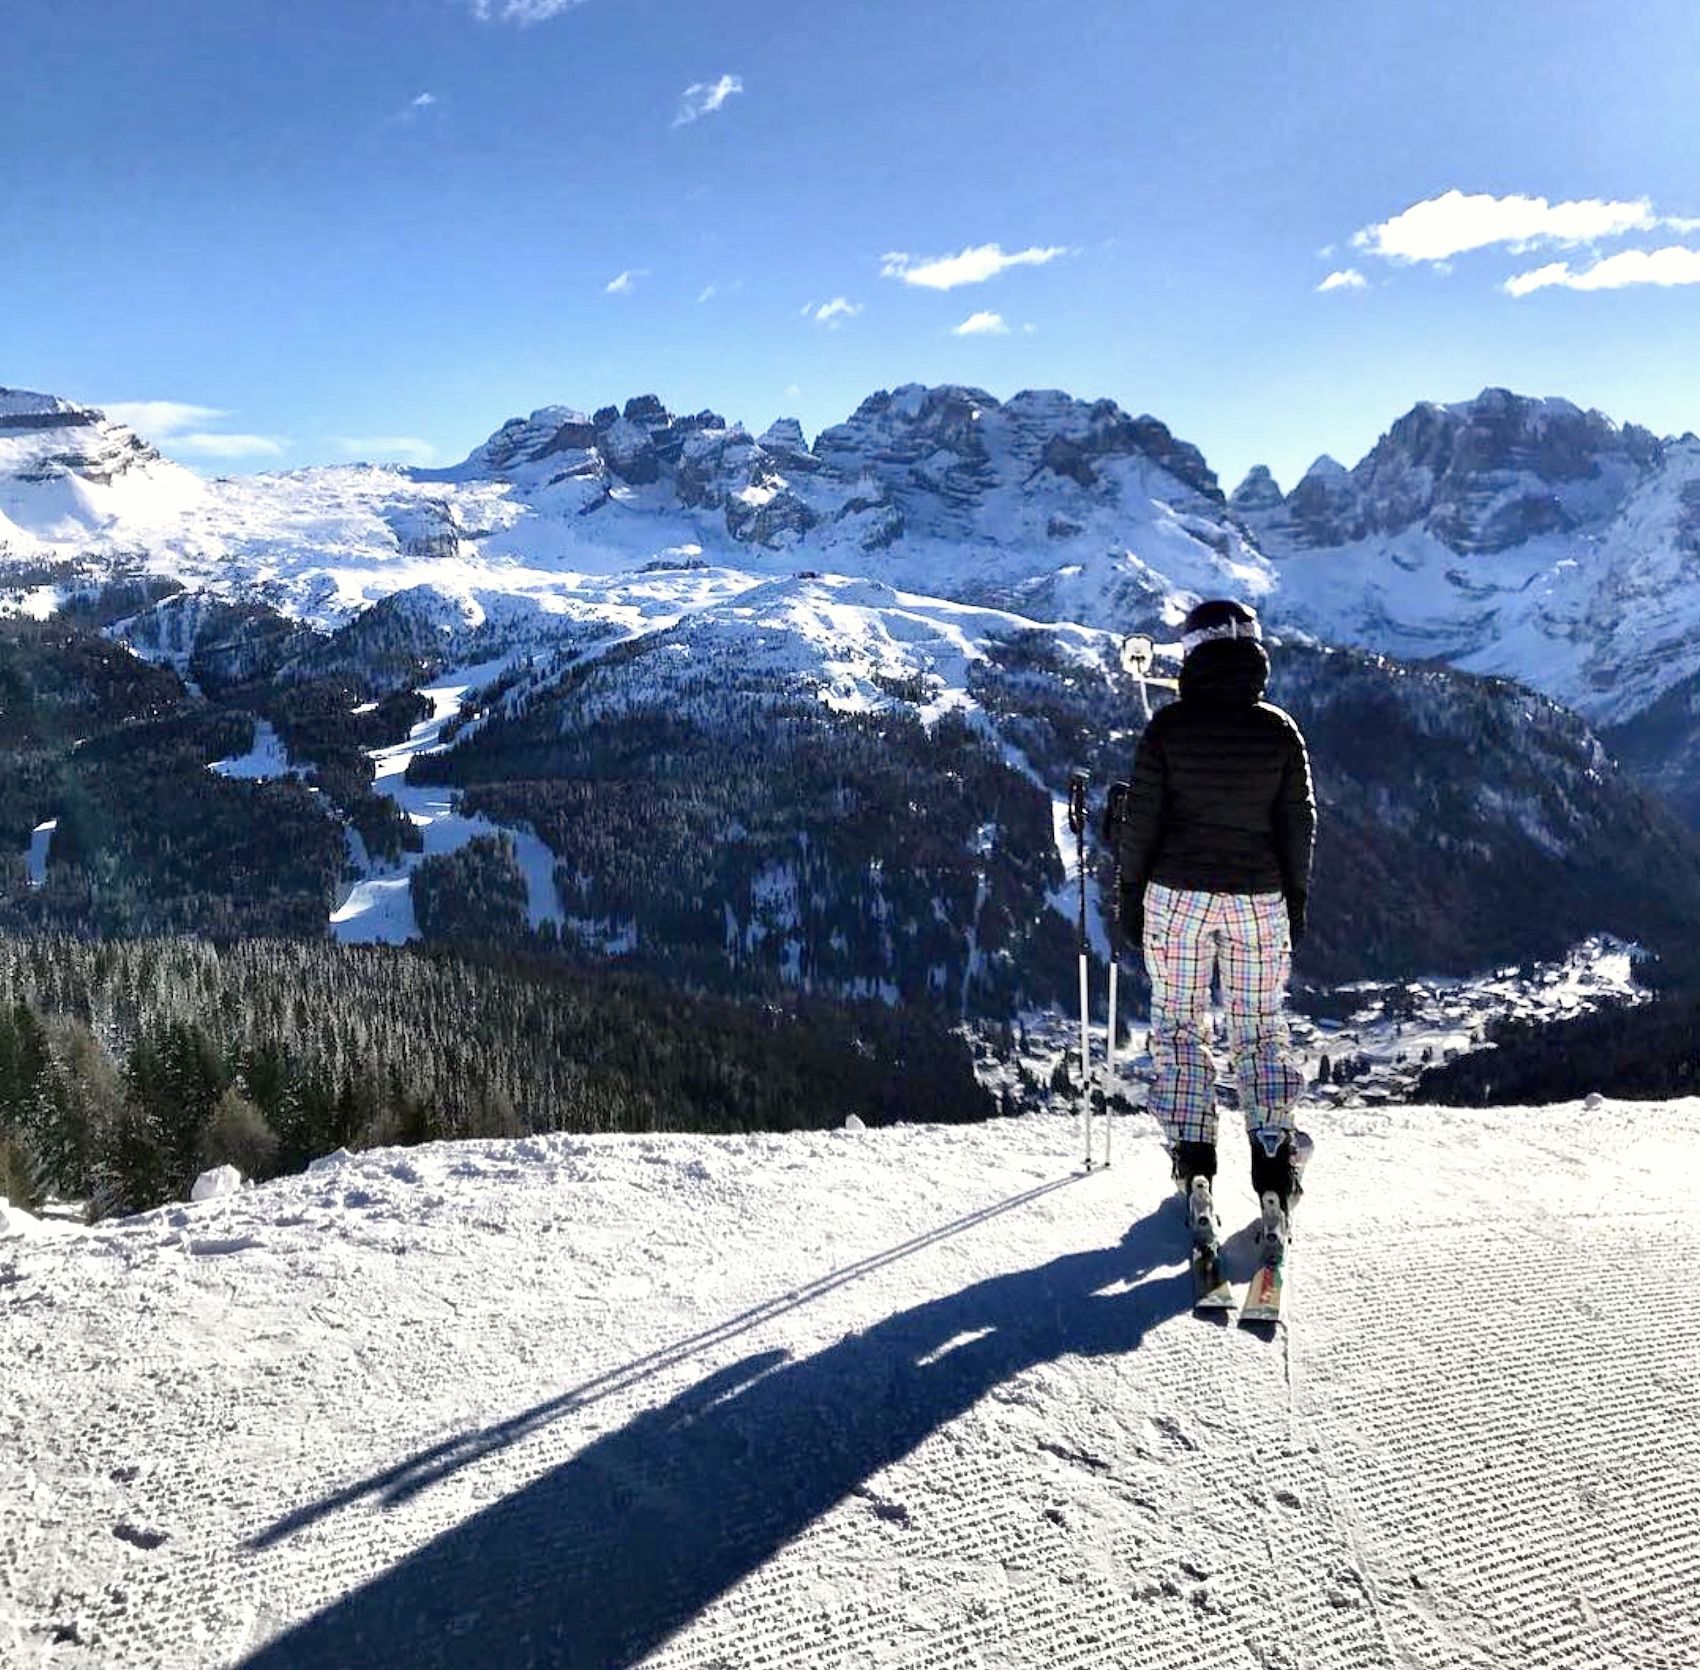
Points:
[(126, 1067), (752, 839), (1647, 1052)]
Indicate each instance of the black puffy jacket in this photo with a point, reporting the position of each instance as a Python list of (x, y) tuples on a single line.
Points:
[(1221, 796)]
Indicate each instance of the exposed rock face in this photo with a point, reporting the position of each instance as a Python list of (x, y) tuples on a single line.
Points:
[(1481, 476), (54, 438), (629, 452), (784, 439), (549, 432), (1326, 507), (1258, 494), (21, 409), (947, 461)]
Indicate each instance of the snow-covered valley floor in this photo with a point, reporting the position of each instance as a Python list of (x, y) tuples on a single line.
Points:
[(914, 1397)]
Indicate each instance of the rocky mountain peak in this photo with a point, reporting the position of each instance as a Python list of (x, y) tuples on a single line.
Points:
[(1480, 475), (22, 409), (1492, 472), (784, 438), (45, 439), (1257, 494)]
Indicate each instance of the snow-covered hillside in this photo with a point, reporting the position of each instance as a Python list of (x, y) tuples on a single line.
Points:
[(1076, 508), (915, 1396), (1506, 535), (1519, 537)]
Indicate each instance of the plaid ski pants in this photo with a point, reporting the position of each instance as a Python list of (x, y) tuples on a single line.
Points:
[(1243, 936)]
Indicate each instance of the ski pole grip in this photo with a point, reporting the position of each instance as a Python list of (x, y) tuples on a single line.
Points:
[(1115, 810), (1077, 803)]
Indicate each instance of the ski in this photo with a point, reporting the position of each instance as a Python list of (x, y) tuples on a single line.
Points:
[(1263, 1298), (1211, 1289), (1273, 1232)]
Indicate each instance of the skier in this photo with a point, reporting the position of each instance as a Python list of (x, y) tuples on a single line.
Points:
[(1215, 843)]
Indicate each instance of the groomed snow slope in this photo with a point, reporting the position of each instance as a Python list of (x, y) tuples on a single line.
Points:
[(916, 1397)]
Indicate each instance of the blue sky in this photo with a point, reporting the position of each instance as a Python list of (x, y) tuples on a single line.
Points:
[(381, 227)]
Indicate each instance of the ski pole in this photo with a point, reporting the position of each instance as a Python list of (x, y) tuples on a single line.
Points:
[(1077, 826), (1112, 825)]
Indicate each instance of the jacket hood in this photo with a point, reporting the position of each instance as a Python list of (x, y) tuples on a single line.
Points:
[(1228, 672)]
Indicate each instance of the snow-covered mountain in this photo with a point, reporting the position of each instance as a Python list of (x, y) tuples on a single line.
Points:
[(1519, 537), (617, 593), (1067, 509), (76, 488)]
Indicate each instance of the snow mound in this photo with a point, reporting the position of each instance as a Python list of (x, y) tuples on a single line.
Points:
[(216, 1183), (14, 1220)]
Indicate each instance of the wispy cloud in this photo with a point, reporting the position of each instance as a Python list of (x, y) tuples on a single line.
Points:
[(180, 427), (833, 313), (1348, 278), (703, 98), (406, 449), (1456, 222), (520, 11), (981, 324), (626, 282), (708, 292), (971, 266), (415, 108), (159, 418), (1674, 264)]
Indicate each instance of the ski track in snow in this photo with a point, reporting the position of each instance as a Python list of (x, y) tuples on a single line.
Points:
[(379, 907), (913, 1397)]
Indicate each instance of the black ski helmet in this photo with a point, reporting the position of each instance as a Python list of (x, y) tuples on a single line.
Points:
[(1220, 617)]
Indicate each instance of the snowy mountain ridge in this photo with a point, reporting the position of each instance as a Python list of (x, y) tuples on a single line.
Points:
[(943, 491), (1526, 538)]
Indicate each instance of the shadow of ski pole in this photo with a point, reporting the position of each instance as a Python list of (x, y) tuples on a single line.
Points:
[(407, 1479)]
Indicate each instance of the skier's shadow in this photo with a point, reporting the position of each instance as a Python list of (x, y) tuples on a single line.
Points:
[(597, 1562)]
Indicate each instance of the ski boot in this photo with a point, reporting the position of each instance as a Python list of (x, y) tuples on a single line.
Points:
[(1278, 1156), (1194, 1174)]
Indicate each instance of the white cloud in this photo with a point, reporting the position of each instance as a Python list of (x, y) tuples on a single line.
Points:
[(1348, 278), (626, 282), (1674, 264), (226, 446), (832, 313), (407, 449), (981, 324), (708, 293), (971, 266), (414, 108), (1455, 222), (178, 427), (160, 419), (703, 98), (792, 390), (519, 11)]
